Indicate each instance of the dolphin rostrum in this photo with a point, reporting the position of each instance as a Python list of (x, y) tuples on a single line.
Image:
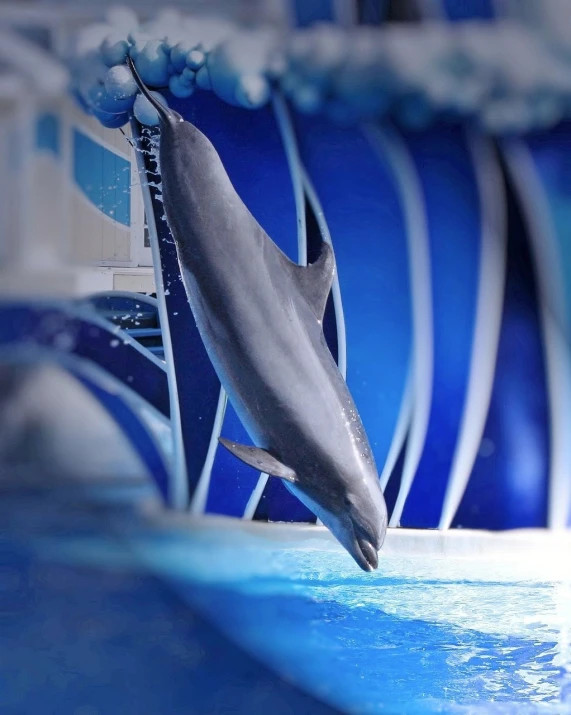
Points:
[(260, 316)]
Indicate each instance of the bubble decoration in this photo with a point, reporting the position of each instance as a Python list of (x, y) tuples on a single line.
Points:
[(203, 78), (152, 64), (119, 82), (137, 42), (181, 87), (112, 121), (195, 59), (144, 111), (114, 49), (179, 54), (506, 77), (99, 98), (252, 91)]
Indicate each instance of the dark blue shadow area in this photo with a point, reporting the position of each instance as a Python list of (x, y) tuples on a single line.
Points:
[(458, 10), (446, 173), (365, 660), (509, 482), (110, 640), (393, 486), (90, 640), (372, 12)]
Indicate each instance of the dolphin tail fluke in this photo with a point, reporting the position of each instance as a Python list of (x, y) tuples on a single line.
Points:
[(164, 113)]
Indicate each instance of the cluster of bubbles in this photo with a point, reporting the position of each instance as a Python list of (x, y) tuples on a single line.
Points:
[(504, 76), (174, 52)]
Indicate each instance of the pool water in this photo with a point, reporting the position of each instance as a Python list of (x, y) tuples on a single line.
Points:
[(420, 635), (81, 637)]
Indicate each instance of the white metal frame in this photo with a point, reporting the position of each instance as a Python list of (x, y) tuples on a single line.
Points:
[(141, 255)]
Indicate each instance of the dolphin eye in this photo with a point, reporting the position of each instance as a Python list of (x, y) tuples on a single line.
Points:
[(347, 501)]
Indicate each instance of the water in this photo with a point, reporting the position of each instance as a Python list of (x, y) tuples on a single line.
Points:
[(81, 637), (419, 636)]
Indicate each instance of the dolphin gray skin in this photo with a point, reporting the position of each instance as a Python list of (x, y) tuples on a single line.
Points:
[(260, 316)]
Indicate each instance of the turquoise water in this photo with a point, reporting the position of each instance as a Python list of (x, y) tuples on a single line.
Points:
[(419, 636)]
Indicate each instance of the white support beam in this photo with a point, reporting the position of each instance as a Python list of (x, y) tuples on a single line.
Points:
[(48, 76)]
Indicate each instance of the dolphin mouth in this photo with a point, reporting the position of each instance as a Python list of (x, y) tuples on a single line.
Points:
[(370, 557), (364, 550)]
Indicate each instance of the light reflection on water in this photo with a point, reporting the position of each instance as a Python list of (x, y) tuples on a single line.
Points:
[(399, 640)]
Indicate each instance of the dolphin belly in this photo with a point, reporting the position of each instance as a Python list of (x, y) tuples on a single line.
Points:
[(276, 370)]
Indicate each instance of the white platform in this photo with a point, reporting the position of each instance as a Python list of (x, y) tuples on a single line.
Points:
[(526, 553)]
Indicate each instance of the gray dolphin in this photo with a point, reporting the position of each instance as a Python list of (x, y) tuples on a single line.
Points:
[(260, 317)]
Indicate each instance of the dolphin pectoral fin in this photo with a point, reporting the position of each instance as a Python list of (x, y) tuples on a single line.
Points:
[(259, 459), (314, 280)]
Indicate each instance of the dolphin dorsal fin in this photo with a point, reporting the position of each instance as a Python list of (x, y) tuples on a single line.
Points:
[(314, 281), (259, 459)]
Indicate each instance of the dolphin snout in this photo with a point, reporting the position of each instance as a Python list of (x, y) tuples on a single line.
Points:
[(366, 548), (369, 553)]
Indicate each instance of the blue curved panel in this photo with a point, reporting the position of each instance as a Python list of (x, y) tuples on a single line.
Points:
[(61, 329), (132, 427), (363, 210), (125, 302), (458, 10), (103, 177), (251, 149), (50, 333), (551, 155), (508, 485), (452, 202)]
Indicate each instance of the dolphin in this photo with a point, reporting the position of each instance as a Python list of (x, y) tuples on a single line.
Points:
[(260, 316)]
